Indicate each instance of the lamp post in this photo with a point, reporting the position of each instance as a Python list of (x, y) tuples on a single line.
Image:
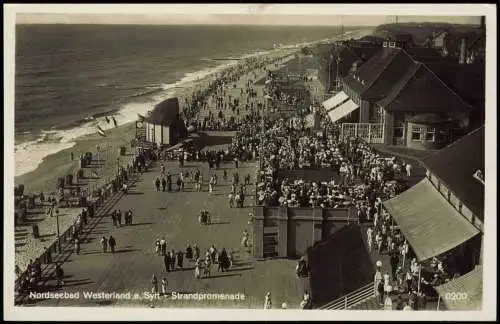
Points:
[(57, 223)]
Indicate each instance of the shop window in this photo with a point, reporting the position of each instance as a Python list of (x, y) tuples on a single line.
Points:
[(416, 134), (430, 134)]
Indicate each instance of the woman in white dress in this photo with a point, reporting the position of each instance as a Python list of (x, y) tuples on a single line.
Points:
[(164, 284), (197, 272)]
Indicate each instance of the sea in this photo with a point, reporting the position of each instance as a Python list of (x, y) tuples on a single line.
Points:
[(68, 78)]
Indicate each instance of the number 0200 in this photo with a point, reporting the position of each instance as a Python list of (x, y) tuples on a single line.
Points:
[(456, 296)]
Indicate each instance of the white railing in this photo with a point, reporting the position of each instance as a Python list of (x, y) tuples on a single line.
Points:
[(372, 133), (351, 299)]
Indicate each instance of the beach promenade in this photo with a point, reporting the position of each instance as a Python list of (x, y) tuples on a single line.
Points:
[(175, 217)]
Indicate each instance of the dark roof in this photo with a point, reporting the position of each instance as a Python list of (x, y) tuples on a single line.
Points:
[(401, 38), (429, 118), (347, 58), (420, 90), (365, 53), (468, 80), (348, 55), (455, 166), (372, 38), (371, 69), (425, 54), (165, 113), (378, 75)]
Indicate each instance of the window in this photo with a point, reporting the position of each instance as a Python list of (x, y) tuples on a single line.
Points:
[(415, 134), (398, 132), (442, 135), (399, 128), (430, 134)]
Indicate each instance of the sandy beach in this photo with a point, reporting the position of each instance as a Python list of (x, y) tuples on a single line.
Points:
[(44, 177)]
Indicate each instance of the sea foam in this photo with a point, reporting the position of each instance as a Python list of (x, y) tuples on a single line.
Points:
[(29, 155)]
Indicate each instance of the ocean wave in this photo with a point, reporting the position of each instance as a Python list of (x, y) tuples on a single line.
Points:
[(29, 155)]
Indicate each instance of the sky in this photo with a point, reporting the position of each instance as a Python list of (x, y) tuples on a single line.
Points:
[(231, 14)]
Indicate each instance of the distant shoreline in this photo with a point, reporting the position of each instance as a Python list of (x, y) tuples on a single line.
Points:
[(45, 175)]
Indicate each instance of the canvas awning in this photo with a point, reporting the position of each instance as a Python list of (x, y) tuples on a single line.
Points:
[(465, 292), (335, 101), (342, 111), (430, 224)]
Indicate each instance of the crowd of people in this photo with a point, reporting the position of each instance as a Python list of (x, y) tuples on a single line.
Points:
[(363, 174), (217, 95)]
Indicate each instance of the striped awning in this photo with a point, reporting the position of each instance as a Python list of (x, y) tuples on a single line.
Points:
[(465, 292), (335, 101), (430, 224), (342, 111)]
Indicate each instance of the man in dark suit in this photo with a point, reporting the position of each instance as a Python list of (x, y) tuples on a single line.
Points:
[(166, 260)]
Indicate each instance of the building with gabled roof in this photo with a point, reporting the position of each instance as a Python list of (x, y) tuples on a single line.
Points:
[(164, 125), (443, 215), (384, 97)]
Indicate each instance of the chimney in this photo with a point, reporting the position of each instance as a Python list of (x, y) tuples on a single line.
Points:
[(463, 51)]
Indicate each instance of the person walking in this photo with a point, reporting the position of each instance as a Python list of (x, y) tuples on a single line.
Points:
[(157, 184), (77, 245), (166, 261), (163, 245), (157, 247), (189, 252), (380, 292), (196, 252), (169, 182), (197, 270), (200, 182), (119, 217), (377, 277), (180, 259), (104, 244), (164, 284), (179, 184), (394, 264), (408, 169), (369, 238), (172, 260), (113, 218), (306, 302), (267, 301), (154, 284), (112, 243), (378, 240), (163, 184), (130, 215), (244, 239)]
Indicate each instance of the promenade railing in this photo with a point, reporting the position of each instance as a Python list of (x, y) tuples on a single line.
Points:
[(94, 205)]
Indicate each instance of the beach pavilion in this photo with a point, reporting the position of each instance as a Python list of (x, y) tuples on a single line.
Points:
[(164, 126)]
